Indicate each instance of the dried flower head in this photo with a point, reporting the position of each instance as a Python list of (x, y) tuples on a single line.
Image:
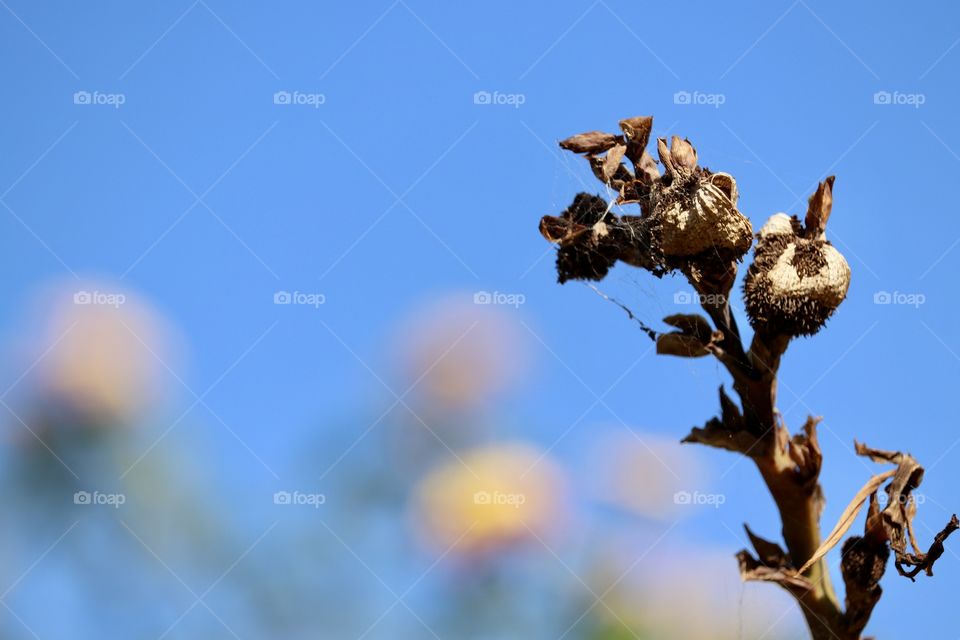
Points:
[(697, 208), (688, 215), (797, 279), (591, 239)]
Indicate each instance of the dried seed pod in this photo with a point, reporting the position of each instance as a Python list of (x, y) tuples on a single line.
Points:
[(797, 279), (698, 208)]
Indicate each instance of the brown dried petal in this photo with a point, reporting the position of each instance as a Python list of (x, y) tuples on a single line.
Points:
[(637, 132), (664, 152), (683, 154), (590, 142), (554, 229), (647, 170), (818, 208), (612, 161), (617, 180), (727, 184)]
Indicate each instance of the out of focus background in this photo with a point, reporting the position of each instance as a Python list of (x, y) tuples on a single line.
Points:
[(284, 355)]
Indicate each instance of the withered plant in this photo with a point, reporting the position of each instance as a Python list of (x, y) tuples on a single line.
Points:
[(689, 223)]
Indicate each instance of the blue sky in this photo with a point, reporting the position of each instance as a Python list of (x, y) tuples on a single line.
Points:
[(389, 186)]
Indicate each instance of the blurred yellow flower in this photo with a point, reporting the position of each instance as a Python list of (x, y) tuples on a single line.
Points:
[(497, 494), (96, 350)]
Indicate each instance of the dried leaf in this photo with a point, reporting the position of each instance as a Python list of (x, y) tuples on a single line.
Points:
[(924, 562), (847, 517), (726, 432), (692, 324), (752, 569), (729, 411), (894, 523), (804, 450), (715, 434), (769, 553), (877, 455), (679, 344), (590, 142), (907, 476)]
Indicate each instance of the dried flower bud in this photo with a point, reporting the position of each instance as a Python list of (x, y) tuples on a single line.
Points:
[(683, 154), (818, 209), (797, 279), (637, 132)]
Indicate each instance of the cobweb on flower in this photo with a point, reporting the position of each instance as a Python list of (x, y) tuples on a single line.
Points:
[(629, 288)]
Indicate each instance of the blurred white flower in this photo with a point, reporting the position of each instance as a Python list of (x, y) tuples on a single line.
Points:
[(644, 473), (687, 593), (458, 353)]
